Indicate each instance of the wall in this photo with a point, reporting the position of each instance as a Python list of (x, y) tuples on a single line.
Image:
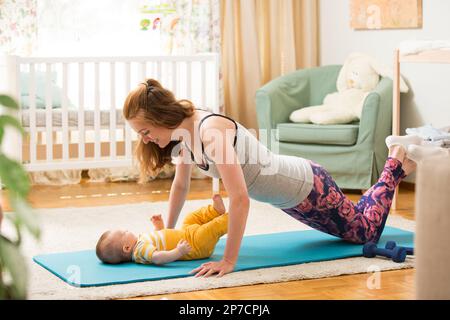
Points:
[(429, 99)]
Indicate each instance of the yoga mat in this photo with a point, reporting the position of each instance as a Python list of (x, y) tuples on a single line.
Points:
[(83, 269)]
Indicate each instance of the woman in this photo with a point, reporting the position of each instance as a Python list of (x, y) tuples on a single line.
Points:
[(220, 147)]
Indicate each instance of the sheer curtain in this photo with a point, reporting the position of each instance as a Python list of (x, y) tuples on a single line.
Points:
[(198, 31), (18, 27), (261, 40), (94, 28)]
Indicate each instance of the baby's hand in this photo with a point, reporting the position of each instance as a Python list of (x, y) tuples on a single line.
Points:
[(184, 247), (156, 217), (157, 221)]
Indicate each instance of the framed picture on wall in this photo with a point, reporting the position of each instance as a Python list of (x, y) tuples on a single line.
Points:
[(385, 14)]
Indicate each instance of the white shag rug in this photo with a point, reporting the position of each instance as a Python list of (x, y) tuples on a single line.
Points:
[(71, 229)]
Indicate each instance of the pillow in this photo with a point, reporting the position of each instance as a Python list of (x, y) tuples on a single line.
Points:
[(40, 78)]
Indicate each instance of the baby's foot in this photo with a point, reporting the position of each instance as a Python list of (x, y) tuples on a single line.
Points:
[(417, 153), (404, 141), (218, 204)]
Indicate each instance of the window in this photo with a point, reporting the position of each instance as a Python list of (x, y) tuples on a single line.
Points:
[(94, 28)]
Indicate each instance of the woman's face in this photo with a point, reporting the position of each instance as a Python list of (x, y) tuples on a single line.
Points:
[(150, 133)]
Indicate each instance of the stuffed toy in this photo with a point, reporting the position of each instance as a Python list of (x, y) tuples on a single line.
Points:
[(358, 76)]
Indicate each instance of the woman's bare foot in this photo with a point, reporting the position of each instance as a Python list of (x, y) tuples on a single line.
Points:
[(398, 152), (218, 204), (408, 166)]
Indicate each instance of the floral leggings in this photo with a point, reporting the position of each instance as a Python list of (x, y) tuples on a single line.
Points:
[(327, 209)]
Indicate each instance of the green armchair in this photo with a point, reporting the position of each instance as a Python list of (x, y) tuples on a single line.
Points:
[(354, 154)]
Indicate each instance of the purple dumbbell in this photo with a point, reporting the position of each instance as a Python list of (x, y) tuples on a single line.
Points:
[(391, 245), (398, 254)]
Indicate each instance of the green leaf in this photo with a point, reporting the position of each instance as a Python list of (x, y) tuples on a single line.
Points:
[(8, 102), (12, 121), (24, 215), (12, 261), (15, 221), (6, 120), (14, 176)]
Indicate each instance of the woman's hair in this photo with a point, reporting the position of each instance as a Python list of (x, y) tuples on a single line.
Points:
[(159, 107)]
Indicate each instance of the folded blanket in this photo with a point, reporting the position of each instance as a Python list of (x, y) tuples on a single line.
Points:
[(416, 46), (439, 143), (430, 133)]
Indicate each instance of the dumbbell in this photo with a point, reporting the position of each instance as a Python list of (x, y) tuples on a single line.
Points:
[(398, 254), (391, 245)]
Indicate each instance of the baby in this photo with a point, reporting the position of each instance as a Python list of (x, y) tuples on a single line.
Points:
[(196, 239)]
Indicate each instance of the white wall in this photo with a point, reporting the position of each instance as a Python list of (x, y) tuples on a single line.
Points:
[(429, 99)]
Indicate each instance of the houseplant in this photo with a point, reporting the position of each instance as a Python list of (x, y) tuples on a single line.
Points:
[(13, 273)]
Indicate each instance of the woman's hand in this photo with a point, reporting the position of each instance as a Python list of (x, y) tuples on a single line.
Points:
[(209, 268)]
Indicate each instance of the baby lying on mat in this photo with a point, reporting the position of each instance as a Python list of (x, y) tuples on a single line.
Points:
[(196, 239)]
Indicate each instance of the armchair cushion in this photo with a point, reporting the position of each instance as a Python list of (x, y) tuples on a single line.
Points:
[(341, 134)]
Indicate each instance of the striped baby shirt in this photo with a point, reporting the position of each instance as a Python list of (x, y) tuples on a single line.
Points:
[(147, 244)]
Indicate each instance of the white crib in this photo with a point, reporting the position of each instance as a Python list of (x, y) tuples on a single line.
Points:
[(71, 107)]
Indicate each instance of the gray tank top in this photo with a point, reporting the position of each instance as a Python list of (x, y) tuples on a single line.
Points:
[(281, 180)]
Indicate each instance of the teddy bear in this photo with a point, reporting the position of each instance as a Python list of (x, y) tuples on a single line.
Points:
[(358, 76)]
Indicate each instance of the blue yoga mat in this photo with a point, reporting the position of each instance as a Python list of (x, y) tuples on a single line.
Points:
[(83, 269)]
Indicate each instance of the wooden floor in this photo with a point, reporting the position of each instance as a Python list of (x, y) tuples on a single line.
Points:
[(393, 285)]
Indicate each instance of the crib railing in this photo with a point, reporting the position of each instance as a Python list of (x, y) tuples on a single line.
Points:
[(98, 85)]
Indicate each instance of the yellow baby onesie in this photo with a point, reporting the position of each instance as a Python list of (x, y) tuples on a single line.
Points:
[(201, 228)]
